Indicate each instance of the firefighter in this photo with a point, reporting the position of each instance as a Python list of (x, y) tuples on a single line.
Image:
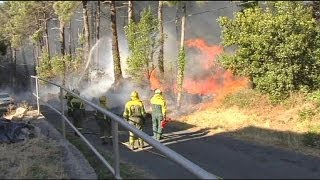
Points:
[(104, 122), (77, 111), (135, 114), (159, 109), (68, 97)]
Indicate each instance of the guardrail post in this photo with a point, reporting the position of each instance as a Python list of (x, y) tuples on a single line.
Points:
[(115, 142), (63, 123), (37, 93)]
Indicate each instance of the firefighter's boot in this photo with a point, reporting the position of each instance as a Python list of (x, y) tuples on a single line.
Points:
[(141, 144), (131, 143)]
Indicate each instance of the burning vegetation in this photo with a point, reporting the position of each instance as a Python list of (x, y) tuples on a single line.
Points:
[(206, 81)]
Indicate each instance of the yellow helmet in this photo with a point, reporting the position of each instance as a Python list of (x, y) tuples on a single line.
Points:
[(134, 94), (103, 99), (157, 91)]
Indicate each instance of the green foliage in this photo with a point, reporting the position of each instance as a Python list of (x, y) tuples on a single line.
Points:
[(44, 68), (16, 41), (74, 64), (58, 65), (277, 48), (181, 66), (142, 41), (22, 20), (244, 99), (315, 97), (37, 35), (65, 10), (306, 114)]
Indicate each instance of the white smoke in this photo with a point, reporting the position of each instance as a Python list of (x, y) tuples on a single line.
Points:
[(100, 59)]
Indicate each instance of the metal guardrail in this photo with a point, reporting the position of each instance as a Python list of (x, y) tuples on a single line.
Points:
[(170, 154)]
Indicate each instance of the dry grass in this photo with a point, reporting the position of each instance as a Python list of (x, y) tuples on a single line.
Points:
[(37, 158), (251, 116)]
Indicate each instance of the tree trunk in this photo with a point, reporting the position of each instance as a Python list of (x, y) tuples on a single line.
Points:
[(35, 60), (92, 23), (62, 39), (26, 69), (98, 15), (14, 69), (160, 57), (115, 46), (41, 40), (86, 29), (70, 36), (180, 70), (62, 49), (176, 23), (47, 37), (130, 12)]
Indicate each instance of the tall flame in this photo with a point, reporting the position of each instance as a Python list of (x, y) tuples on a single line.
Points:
[(208, 78)]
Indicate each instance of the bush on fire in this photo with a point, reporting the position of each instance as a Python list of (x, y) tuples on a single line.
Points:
[(277, 47)]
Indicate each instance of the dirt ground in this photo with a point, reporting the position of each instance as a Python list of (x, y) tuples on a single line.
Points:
[(48, 155)]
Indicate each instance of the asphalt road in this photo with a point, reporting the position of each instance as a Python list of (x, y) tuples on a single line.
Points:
[(218, 154)]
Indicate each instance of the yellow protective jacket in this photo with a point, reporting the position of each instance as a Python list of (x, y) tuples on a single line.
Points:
[(128, 108), (159, 104)]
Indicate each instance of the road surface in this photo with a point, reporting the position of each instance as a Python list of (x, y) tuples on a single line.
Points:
[(218, 154)]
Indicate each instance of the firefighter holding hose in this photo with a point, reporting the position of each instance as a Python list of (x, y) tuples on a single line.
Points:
[(135, 114)]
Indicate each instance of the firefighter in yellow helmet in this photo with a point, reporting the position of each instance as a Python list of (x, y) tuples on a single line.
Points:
[(135, 114), (159, 109), (77, 111), (104, 122)]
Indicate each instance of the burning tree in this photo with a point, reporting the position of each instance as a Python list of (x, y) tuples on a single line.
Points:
[(277, 47)]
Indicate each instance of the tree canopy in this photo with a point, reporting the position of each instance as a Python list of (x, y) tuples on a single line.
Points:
[(143, 42), (276, 47)]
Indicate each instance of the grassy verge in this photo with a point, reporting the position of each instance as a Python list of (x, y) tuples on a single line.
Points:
[(37, 158), (249, 115), (127, 171)]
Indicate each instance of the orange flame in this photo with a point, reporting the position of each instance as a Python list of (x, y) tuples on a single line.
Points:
[(214, 79), (154, 81), (209, 53)]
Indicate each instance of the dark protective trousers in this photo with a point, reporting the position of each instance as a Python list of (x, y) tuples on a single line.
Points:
[(78, 116), (104, 127), (156, 125)]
